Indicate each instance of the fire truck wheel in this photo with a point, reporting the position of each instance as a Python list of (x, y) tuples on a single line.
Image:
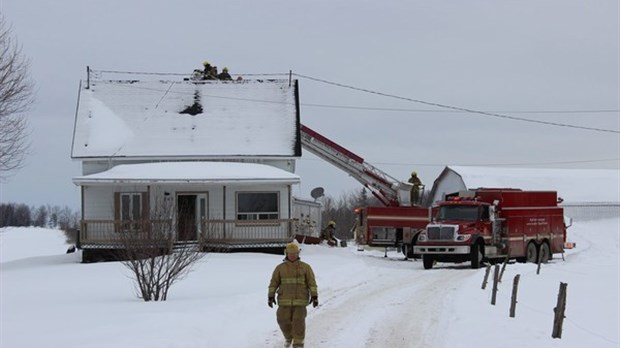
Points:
[(476, 256), (428, 261), (545, 254), (531, 254)]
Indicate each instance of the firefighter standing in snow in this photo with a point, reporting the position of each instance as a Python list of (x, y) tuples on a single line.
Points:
[(296, 287), (329, 232)]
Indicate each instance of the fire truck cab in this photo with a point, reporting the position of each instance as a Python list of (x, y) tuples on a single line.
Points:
[(487, 224)]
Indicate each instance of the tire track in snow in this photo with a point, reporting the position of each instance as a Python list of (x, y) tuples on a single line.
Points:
[(400, 307)]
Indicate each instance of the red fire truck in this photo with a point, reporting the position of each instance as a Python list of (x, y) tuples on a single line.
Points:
[(399, 221), (391, 226), (487, 224)]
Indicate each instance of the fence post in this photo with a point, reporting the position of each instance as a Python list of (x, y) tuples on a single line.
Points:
[(501, 274), (513, 301), (559, 310), (486, 277), (495, 280)]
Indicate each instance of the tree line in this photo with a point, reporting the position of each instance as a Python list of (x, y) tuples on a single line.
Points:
[(48, 216), (342, 211)]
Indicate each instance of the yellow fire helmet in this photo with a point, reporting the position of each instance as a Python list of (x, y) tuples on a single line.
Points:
[(332, 223), (292, 248)]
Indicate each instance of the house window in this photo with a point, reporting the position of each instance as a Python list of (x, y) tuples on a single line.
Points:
[(131, 210), (257, 206)]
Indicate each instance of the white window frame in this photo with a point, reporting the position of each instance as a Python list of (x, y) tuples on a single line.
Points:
[(257, 214)]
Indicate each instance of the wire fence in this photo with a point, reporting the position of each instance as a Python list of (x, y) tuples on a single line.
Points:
[(587, 211)]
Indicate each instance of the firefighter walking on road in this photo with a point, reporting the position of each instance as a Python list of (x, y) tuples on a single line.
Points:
[(294, 282)]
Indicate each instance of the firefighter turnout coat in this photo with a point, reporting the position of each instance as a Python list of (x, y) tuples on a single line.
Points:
[(294, 282)]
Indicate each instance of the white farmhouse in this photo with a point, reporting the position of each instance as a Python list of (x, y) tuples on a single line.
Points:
[(215, 159)]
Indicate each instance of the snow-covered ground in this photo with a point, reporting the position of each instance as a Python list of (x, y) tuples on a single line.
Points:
[(49, 299)]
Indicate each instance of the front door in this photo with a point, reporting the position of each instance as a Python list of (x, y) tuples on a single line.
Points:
[(191, 211), (186, 217)]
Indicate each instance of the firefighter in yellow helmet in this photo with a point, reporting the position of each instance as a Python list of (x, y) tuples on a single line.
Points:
[(415, 189), (329, 233), (294, 282), (208, 71), (224, 75)]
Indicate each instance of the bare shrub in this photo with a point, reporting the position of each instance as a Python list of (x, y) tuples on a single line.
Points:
[(148, 250)]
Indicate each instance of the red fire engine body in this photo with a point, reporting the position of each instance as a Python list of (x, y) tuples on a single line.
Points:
[(391, 226), (487, 224)]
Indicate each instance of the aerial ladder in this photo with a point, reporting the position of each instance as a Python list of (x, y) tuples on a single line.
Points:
[(387, 189)]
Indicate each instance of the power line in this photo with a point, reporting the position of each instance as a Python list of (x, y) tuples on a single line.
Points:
[(444, 106), (372, 108), (452, 108)]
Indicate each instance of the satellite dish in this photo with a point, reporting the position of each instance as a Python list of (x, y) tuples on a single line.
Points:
[(317, 192)]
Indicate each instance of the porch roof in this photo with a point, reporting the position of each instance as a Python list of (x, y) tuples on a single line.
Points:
[(190, 172)]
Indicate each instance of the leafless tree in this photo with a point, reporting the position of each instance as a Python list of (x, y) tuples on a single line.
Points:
[(148, 250), (16, 96)]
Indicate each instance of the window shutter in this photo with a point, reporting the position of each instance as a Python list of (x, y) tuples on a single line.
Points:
[(146, 212), (117, 211)]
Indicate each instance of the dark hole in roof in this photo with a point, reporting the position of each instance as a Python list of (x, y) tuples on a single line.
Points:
[(195, 108)]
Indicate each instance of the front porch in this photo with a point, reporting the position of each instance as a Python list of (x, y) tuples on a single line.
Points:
[(212, 234)]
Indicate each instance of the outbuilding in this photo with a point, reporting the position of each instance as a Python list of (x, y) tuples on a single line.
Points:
[(585, 193)]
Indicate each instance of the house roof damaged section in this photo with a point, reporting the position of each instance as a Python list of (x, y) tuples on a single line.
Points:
[(168, 119), (190, 173)]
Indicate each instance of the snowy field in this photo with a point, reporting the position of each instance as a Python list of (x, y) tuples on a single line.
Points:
[(49, 299)]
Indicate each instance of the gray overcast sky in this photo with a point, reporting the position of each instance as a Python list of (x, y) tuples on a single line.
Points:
[(486, 55)]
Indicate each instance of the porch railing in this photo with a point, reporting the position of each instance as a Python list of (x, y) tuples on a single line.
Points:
[(110, 233)]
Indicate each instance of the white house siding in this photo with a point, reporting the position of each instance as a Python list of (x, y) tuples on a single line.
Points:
[(221, 203), (220, 206), (98, 203), (99, 200), (169, 193)]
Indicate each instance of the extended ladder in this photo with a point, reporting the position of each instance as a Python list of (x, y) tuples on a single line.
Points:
[(387, 189)]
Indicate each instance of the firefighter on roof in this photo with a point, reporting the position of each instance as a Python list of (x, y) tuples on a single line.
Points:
[(207, 72), (224, 75), (294, 282)]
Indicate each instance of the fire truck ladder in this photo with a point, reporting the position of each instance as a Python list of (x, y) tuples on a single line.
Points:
[(387, 189)]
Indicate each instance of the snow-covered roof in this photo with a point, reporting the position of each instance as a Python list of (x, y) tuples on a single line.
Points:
[(190, 172), (573, 185), (191, 119)]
